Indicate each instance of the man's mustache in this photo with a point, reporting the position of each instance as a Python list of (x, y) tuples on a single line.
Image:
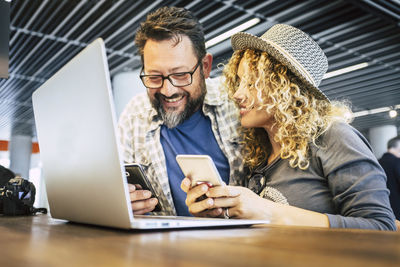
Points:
[(160, 96)]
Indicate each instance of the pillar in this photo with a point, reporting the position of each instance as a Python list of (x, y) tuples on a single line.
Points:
[(20, 148), (125, 86), (379, 136)]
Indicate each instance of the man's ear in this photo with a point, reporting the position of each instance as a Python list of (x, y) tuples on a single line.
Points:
[(207, 64)]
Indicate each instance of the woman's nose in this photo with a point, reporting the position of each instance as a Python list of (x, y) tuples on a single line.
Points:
[(239, 95)]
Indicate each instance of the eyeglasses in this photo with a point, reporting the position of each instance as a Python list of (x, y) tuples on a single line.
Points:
[(178, 79)]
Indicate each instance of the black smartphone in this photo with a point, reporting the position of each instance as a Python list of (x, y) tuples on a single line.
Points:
[(135, 175)]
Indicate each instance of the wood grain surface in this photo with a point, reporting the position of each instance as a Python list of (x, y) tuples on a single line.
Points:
[(43, 241)]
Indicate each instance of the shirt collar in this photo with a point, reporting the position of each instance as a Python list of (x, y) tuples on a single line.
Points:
[(215, 93)]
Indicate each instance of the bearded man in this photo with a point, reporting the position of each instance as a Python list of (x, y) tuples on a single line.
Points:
[(182, 112)]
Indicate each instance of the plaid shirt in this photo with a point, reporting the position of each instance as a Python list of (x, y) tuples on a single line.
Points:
[(140, 127)]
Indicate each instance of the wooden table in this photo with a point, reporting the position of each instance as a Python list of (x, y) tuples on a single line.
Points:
[(43, 241)]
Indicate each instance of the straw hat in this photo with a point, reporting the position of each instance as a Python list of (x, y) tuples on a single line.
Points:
[(292, 47)]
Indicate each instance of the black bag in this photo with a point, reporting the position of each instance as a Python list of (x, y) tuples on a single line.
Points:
[(5, 175), (17, 195)]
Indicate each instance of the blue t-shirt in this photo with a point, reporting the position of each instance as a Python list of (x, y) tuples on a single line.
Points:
[(193, 136)]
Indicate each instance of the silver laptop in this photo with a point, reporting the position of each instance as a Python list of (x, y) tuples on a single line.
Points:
[(82, 166)]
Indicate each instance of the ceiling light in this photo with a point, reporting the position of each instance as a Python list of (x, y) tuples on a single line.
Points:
[(345, 70), (371, 111), (392, 113), (231, 32), (376, 110)]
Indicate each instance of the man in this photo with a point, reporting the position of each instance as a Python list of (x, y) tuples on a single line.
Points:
[(390, 162), (181, 113)]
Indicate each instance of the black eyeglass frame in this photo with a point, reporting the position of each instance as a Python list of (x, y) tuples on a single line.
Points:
[(168, 77)]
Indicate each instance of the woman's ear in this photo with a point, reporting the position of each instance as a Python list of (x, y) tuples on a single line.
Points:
[(207, 65)]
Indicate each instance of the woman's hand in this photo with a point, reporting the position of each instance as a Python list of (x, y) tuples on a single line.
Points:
[(241, 202), (199, 205)]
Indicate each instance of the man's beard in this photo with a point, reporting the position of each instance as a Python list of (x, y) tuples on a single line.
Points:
[(173, 118)]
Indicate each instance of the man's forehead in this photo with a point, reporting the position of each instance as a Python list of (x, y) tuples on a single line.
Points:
[(165, 47), (169, 55)]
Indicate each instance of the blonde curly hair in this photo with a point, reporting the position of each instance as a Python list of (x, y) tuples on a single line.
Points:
[(299, 117)]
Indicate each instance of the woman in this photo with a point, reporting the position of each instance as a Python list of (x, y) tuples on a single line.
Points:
[(309, 167)]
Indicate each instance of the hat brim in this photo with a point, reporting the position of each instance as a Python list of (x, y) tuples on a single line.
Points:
[(244, 40)]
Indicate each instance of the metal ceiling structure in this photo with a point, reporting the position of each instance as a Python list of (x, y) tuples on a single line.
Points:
[(45, 34)]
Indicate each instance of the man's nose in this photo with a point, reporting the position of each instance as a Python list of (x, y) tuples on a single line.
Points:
[(168, 89)]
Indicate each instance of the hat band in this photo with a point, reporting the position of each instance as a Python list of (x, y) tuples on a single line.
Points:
[(296, 64)]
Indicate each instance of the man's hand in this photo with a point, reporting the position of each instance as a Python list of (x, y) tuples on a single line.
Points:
[(140, 199)]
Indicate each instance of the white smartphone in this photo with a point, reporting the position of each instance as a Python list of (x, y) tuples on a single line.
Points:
[(200, 168)]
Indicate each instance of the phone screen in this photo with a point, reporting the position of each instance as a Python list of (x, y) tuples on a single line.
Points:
[(135, 175), (200, 168)]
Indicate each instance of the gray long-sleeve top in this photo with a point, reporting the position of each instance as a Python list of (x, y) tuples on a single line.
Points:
[(344, 181)]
